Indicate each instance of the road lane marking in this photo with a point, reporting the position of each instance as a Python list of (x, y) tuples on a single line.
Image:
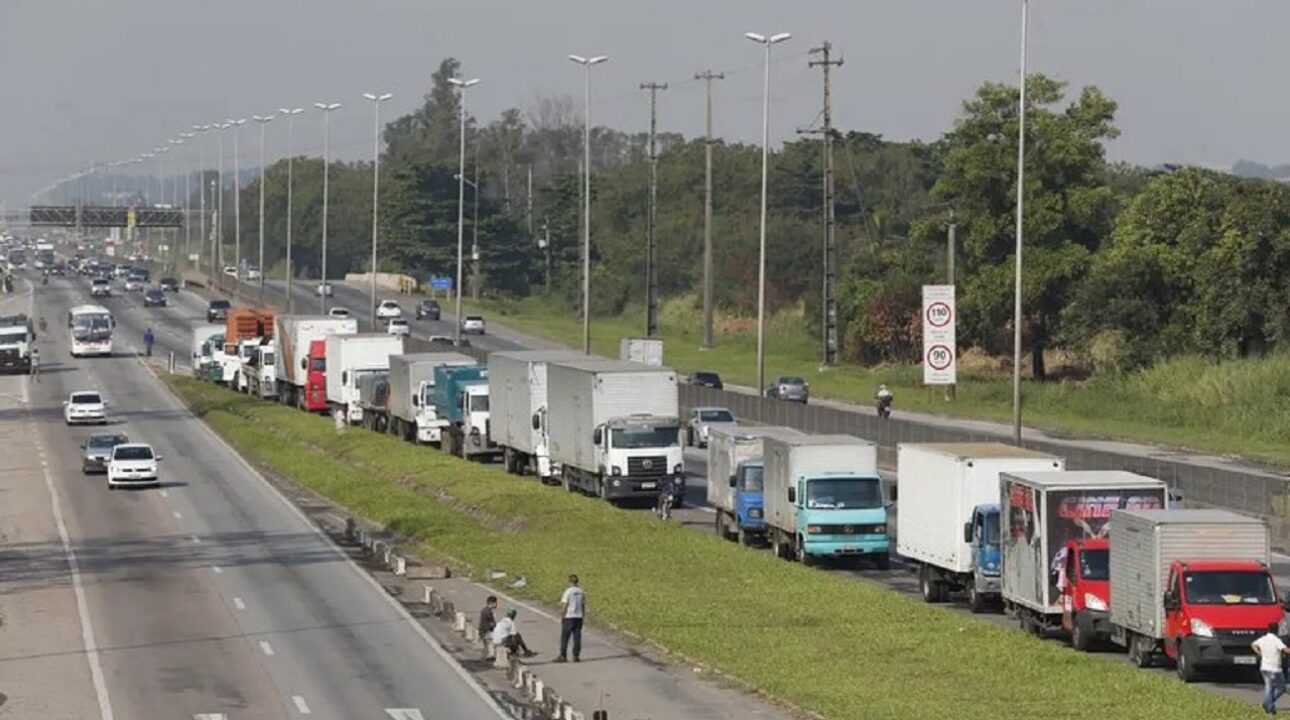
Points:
[(218, 570), (265, 647), (196, 540), (404, 713), (165, 493), (87, 630), (178, 515), (237, 603), (301, 706), (210, 716)]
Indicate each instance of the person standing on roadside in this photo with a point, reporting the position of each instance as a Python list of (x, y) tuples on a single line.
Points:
[(487, 619), (573, 610), (35, 365), (1271, 651), (148, 339)]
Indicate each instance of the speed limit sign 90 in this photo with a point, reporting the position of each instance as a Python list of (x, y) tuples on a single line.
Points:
[(940, 351)]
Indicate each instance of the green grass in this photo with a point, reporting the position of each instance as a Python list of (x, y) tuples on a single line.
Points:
[(1239, 407), (824, 643)]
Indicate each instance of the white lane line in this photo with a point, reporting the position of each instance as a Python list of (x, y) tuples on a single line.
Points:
[(178, 515), (237, 603), (266, 648), (87, 630), (196, 540), (404, 713), (217, 569), (165, 493), (210, 716), (301, 706)]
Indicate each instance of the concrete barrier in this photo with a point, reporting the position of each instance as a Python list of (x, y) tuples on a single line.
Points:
[(459, 622), (501, 657), (400, 566)]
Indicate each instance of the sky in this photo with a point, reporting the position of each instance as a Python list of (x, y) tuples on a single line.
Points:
[(96, 81)]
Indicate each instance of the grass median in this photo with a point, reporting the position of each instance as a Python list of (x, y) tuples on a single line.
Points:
[(819, 641)]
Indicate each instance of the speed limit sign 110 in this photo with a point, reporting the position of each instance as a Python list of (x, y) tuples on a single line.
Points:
[(940, 353)]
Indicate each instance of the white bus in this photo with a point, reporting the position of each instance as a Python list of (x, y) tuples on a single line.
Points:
[(91, 330)]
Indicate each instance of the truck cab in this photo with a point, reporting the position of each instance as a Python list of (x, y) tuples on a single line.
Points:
[(1086, 591), (982, 536), (314, 397), (1214, 609), (473, 399), (15, 344), (750, 508), (840, 514), (246, 352), (261, 371), (461, 401), (638, 455), (429, 426)]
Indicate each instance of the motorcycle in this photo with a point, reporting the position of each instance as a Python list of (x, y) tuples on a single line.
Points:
[(666, 499), (884, 406)]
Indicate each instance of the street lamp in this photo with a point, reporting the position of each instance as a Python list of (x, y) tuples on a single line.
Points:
[(219, 200), (188, 201), (376, 181), (462, 85), (201, 186), (1021, 211), (290, 114), (767, 42), (262, 120), (237, 199), (327, 109), (586, 63)]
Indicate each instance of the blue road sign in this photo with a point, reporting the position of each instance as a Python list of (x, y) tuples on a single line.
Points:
[(441, 283)]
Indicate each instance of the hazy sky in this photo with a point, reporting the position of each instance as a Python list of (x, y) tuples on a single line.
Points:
[(86, 81)]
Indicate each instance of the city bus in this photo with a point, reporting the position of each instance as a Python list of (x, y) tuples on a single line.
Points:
[(91, 329)]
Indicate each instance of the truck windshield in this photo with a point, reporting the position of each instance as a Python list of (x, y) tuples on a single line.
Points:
[(843, 494), (319, 364), (635, 438), (266, 359), (1095, 564), (751, 479), (992, 529), (12, 335), (479, 403), (1229, 587)]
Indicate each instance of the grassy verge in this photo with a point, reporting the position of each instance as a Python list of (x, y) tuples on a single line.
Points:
[(1237, 407), (819, 641)]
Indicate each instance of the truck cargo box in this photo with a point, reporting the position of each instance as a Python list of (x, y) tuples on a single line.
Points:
[(353, 355), (294, 333), (407, 372), (517, 390), (789, 459), (729, 447)]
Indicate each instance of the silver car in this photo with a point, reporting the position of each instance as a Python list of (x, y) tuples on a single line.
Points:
[(703, 420), (96, 450), (790, 388)]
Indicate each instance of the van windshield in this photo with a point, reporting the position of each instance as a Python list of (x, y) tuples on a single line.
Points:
[(479, 403), (1095, 564), (716, 416), (843, 494), (1229, 587), (636, 438)]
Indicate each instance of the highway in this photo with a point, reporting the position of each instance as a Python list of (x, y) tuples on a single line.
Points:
[(211, 597)]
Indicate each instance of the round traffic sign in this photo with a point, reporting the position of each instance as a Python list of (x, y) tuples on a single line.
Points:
[(940, 357), (939, 314)]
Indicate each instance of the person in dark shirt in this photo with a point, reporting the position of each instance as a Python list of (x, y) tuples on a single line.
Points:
[(487, 621)]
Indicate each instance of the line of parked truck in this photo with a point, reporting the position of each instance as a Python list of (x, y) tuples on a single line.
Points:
[(1010, 528)]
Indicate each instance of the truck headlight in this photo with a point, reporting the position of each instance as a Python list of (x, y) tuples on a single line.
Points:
[(754, 513), (879, 529), (615, 470), (678, 469), (1200, 628), (618, 483), (814, 529), (1093, 602)]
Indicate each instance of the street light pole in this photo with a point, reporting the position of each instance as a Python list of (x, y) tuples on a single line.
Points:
[(376, 182), (765, 155), (1021, 210), (586, 63), (290, 114), (462, 86), (219, 200), (199, 130), (188, 201), (327, 109), (237, 198), (264, 176)]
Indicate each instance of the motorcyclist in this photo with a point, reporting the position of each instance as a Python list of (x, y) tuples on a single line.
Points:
[(666, 500), (885, 399)]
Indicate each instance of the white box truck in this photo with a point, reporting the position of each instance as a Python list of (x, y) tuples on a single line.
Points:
[(517, 394), (614, 428), (349, 357), (300, 361), (207, 340), (824, 499), (735, 479), (412, 411), (948, 524), (646, 351), (1193, 585)]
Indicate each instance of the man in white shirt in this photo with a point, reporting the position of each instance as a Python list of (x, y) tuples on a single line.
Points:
[(506, 635), (573, 609), (1270, 649)]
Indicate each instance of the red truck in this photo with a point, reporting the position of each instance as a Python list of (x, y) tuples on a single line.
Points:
[(1086, 592), (300, 363)]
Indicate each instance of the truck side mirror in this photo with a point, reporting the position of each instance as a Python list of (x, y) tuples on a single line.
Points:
[(894, 488), (304, 364), (344, 377), (537, 422), (597, 435), (1171, 600), (967, 532), (792, 495)]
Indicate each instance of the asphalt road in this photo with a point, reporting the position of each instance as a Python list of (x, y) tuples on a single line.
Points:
[(699, 516), (211, 595)]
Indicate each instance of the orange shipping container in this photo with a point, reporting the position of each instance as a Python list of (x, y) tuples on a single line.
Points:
[(246, 323)]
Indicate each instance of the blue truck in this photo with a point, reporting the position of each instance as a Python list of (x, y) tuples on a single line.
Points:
[(824, 500), (461, 398), (735, 471)]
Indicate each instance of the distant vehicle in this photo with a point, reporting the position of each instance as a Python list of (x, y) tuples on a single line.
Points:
[(703, 420), (84, 406), (388, 309), (154, 297), (472, 324), (134, 282), (96, 450), (705, 378), (398, 326), (253, 273), (121, 270), (217, 310), (339, 312), (169, 284), (789, 388), (230, 270), (90, 330), (447, 341), (132, 464), (323, 290), (100, 287), (428, 309), (58, 269)]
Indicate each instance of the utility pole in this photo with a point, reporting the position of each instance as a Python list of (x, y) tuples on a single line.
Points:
[(528, 198), (709, 338), (475, 270), (546, 243), (951, 391), (829, 336), (651, 248)]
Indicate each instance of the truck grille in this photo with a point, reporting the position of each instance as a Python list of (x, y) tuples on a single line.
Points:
[(651, 466), (852, 529)]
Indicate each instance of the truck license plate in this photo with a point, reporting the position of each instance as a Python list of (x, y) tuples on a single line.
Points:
[(1245, 660), (648, 485)]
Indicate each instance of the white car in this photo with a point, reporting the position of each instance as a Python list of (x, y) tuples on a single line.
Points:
[(132, 464), (100, 287), (253, 273), (703, 420), (473, 324), (398, 326), (230, 271), (84, 406), (323, 290), (339, 312), (388, 309)]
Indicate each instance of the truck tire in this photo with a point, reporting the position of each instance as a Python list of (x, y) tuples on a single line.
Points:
[(1141, 654), (883, 561), (930, 588), (976, 601), (803, 557), (719, 524), (1079, 636), (1185, 664), (741, 537), (777, 545)]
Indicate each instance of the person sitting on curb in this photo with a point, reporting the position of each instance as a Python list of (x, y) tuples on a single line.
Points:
[(508, 636)]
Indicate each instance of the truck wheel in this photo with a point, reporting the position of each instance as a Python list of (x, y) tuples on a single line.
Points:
[(1141, 652), (803, 557), (1185, 664), (720, 526), (777, 545), (976, 602), (741, 536), (883, 561), (929, 586), (1079, 636)]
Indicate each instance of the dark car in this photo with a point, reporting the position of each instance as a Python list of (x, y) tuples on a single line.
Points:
[(217, 310), (705, 378), (428, 309), (58, 269), (97, 449), (790, 388), (154, 297), (169, 284)]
